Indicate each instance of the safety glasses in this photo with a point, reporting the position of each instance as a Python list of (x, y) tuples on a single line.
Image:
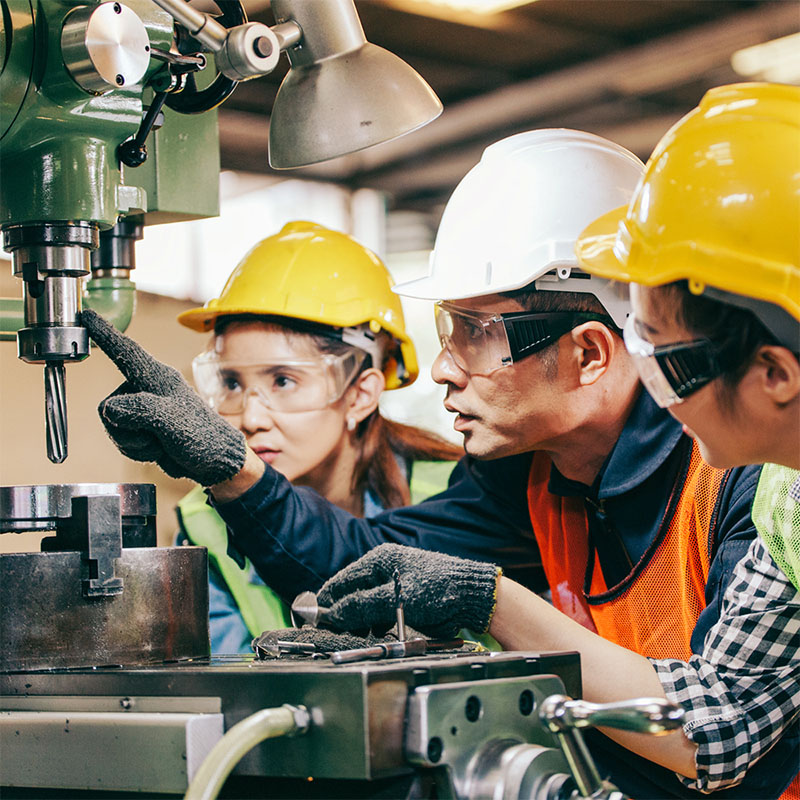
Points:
[(284, 386), (483, 343), (673, 372)]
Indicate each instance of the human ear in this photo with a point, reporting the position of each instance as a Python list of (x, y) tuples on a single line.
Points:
[(780, 374), (364, 394), (595, 346)]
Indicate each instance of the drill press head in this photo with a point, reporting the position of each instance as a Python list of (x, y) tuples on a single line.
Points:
[(51, 259), (77, 77)]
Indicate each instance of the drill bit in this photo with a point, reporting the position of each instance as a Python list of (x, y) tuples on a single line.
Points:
[(55, 404)]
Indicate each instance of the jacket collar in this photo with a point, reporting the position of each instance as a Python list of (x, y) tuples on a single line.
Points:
[(650, 435)]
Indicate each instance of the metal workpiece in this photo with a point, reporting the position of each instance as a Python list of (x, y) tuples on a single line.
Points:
[(105, 47), (49, 623), (100, 592), (95, 531), (283, 648), (488, 738)]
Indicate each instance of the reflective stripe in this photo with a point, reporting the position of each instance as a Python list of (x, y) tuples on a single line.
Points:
[(261, 608), (429, 478), (776, 515)]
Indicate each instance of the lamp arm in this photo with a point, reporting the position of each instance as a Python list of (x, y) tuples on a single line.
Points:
[(242, 52)]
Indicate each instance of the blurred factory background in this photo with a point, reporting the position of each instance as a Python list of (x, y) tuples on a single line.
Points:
[(623, 69)]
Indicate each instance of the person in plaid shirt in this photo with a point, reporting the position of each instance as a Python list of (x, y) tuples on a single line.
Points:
[(711, 240)]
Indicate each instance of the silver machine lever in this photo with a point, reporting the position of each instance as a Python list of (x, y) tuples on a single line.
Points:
[(565, 717)]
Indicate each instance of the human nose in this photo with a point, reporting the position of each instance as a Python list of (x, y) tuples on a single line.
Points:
[(445, 369), (255, 414)]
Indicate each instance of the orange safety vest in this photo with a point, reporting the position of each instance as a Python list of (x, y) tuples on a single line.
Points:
[(654, 609)]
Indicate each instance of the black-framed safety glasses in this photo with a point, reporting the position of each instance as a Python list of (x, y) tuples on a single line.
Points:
[(673, 372), (482, 343)]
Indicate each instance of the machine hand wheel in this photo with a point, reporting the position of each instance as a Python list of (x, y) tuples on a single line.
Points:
[(191, 100)]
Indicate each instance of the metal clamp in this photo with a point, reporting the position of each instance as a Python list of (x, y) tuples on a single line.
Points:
[(90, 518)]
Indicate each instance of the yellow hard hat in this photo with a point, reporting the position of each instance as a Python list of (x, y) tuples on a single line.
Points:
[(719, 203), (312, 273)]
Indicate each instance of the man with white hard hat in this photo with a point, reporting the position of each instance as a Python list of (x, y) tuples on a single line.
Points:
[(574, 480)]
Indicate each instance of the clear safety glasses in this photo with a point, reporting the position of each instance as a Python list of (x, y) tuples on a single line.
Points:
[(285, 386), (673, 372), (483, 343)]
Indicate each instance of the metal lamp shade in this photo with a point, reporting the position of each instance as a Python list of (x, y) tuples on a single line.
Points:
[(346, 103)]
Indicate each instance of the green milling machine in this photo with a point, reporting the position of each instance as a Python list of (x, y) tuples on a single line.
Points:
[(107, 124)]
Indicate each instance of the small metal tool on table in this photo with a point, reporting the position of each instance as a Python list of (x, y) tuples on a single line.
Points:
[(404, 649), (398, 606), (281, 648)]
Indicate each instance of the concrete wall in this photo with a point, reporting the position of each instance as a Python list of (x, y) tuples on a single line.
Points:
[(92, 456)]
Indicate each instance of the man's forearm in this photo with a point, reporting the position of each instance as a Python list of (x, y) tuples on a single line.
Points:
[(245, 478), (524, 621)]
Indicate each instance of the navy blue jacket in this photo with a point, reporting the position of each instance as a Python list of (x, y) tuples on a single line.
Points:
[(296, 540)]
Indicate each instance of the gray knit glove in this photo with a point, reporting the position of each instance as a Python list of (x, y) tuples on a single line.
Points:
[(156, 416), (324, 641), (441, 594)]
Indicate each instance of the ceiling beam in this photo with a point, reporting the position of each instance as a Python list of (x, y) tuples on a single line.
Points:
[(434, 158), (653, 66)]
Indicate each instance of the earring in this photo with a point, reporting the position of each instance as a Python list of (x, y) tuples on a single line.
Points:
[(351, 423)]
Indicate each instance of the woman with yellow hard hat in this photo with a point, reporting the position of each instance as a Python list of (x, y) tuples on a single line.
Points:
[(307, 334), (711, 244)]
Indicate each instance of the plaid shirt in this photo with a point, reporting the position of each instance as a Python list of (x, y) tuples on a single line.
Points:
[(743, 691), (794, 491)]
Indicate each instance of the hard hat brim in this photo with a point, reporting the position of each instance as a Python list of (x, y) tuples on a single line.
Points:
[(595, 248), (199, 319), (429, 288)]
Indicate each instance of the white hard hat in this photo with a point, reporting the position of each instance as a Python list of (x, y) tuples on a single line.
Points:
[(515, 217)]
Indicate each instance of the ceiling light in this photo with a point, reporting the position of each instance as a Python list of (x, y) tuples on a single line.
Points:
[(777, 60), (468, 6)]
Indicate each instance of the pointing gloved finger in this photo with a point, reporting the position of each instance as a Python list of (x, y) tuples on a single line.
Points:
[(133, 361), (184, 437)]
